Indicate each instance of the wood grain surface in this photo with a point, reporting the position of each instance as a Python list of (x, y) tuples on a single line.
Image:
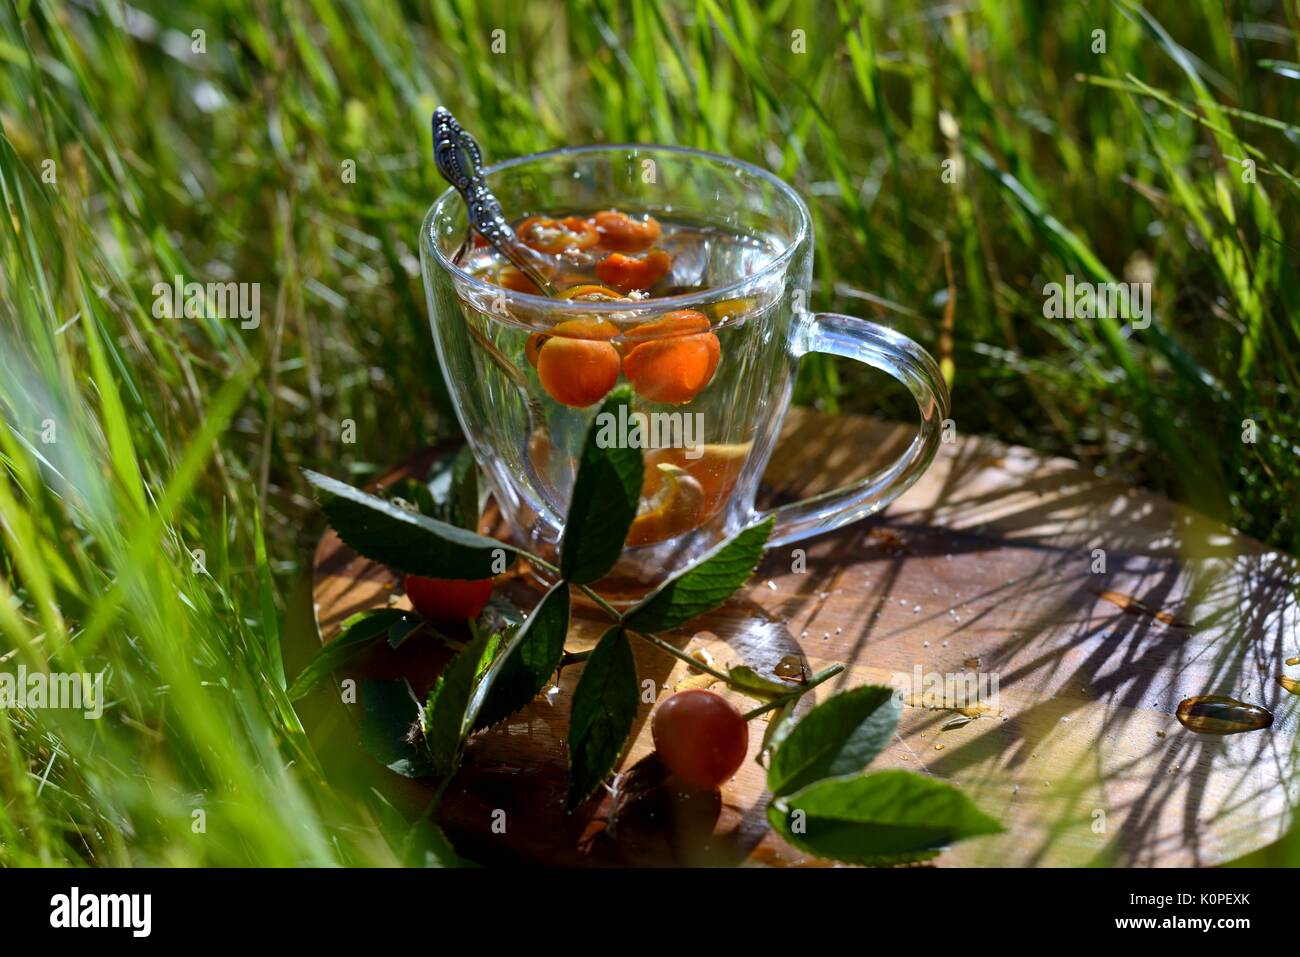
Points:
[(988, 566)]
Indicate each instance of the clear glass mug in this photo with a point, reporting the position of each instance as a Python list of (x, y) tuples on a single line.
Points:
[(702, 479)]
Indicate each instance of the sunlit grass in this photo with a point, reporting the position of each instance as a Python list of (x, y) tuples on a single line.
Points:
[(176, 435)]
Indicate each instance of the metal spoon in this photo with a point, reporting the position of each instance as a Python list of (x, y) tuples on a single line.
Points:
[(460, 162)]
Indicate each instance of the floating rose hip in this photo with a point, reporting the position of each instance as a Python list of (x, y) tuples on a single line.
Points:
[(674, 365), (511, 278), (555, 236), (575, 363), (590, 292), (700, 737), (629, 272), (584, 292), (626, 234)]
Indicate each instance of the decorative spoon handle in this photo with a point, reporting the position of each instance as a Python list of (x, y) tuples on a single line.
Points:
[(460, 162)]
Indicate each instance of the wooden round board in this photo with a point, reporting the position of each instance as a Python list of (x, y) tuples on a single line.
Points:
[(1094, 606)]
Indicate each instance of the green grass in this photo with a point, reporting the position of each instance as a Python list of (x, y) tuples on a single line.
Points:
[(175, 435)]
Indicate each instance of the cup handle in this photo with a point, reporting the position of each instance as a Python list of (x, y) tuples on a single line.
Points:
[(900, 357)]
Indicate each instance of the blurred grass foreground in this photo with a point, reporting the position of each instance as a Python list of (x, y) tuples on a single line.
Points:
[(958, 157)]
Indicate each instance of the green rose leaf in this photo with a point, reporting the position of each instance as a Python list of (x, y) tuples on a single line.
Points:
[(358, 634), (446, 718), (403, 540), (881, 818), (605, 496), (704, 586), (527, 662), (389, 710), (604, 706), (838, 737), (402, 629), (749, 682)]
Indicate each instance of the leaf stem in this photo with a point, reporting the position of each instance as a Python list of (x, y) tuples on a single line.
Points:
[(540, 562), (658, 642), (824, 675), (678, 653), (605, 606), (573, 658)]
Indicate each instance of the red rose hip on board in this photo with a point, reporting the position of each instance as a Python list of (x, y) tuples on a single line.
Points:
[(448, 599), (700, 737)]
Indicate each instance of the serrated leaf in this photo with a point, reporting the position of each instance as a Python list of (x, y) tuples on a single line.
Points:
[(445, 715), (604, 707), (702, 587), (388, 712), (606, 493), (402, 629), (749, 682), (403, 540), (527, 662), (881, 818), (358, 634), (838, 737)]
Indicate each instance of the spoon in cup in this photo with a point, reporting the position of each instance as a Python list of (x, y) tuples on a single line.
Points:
[(460, 162)]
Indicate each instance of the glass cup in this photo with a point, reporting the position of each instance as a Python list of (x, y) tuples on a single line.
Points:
[(704, 451)]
